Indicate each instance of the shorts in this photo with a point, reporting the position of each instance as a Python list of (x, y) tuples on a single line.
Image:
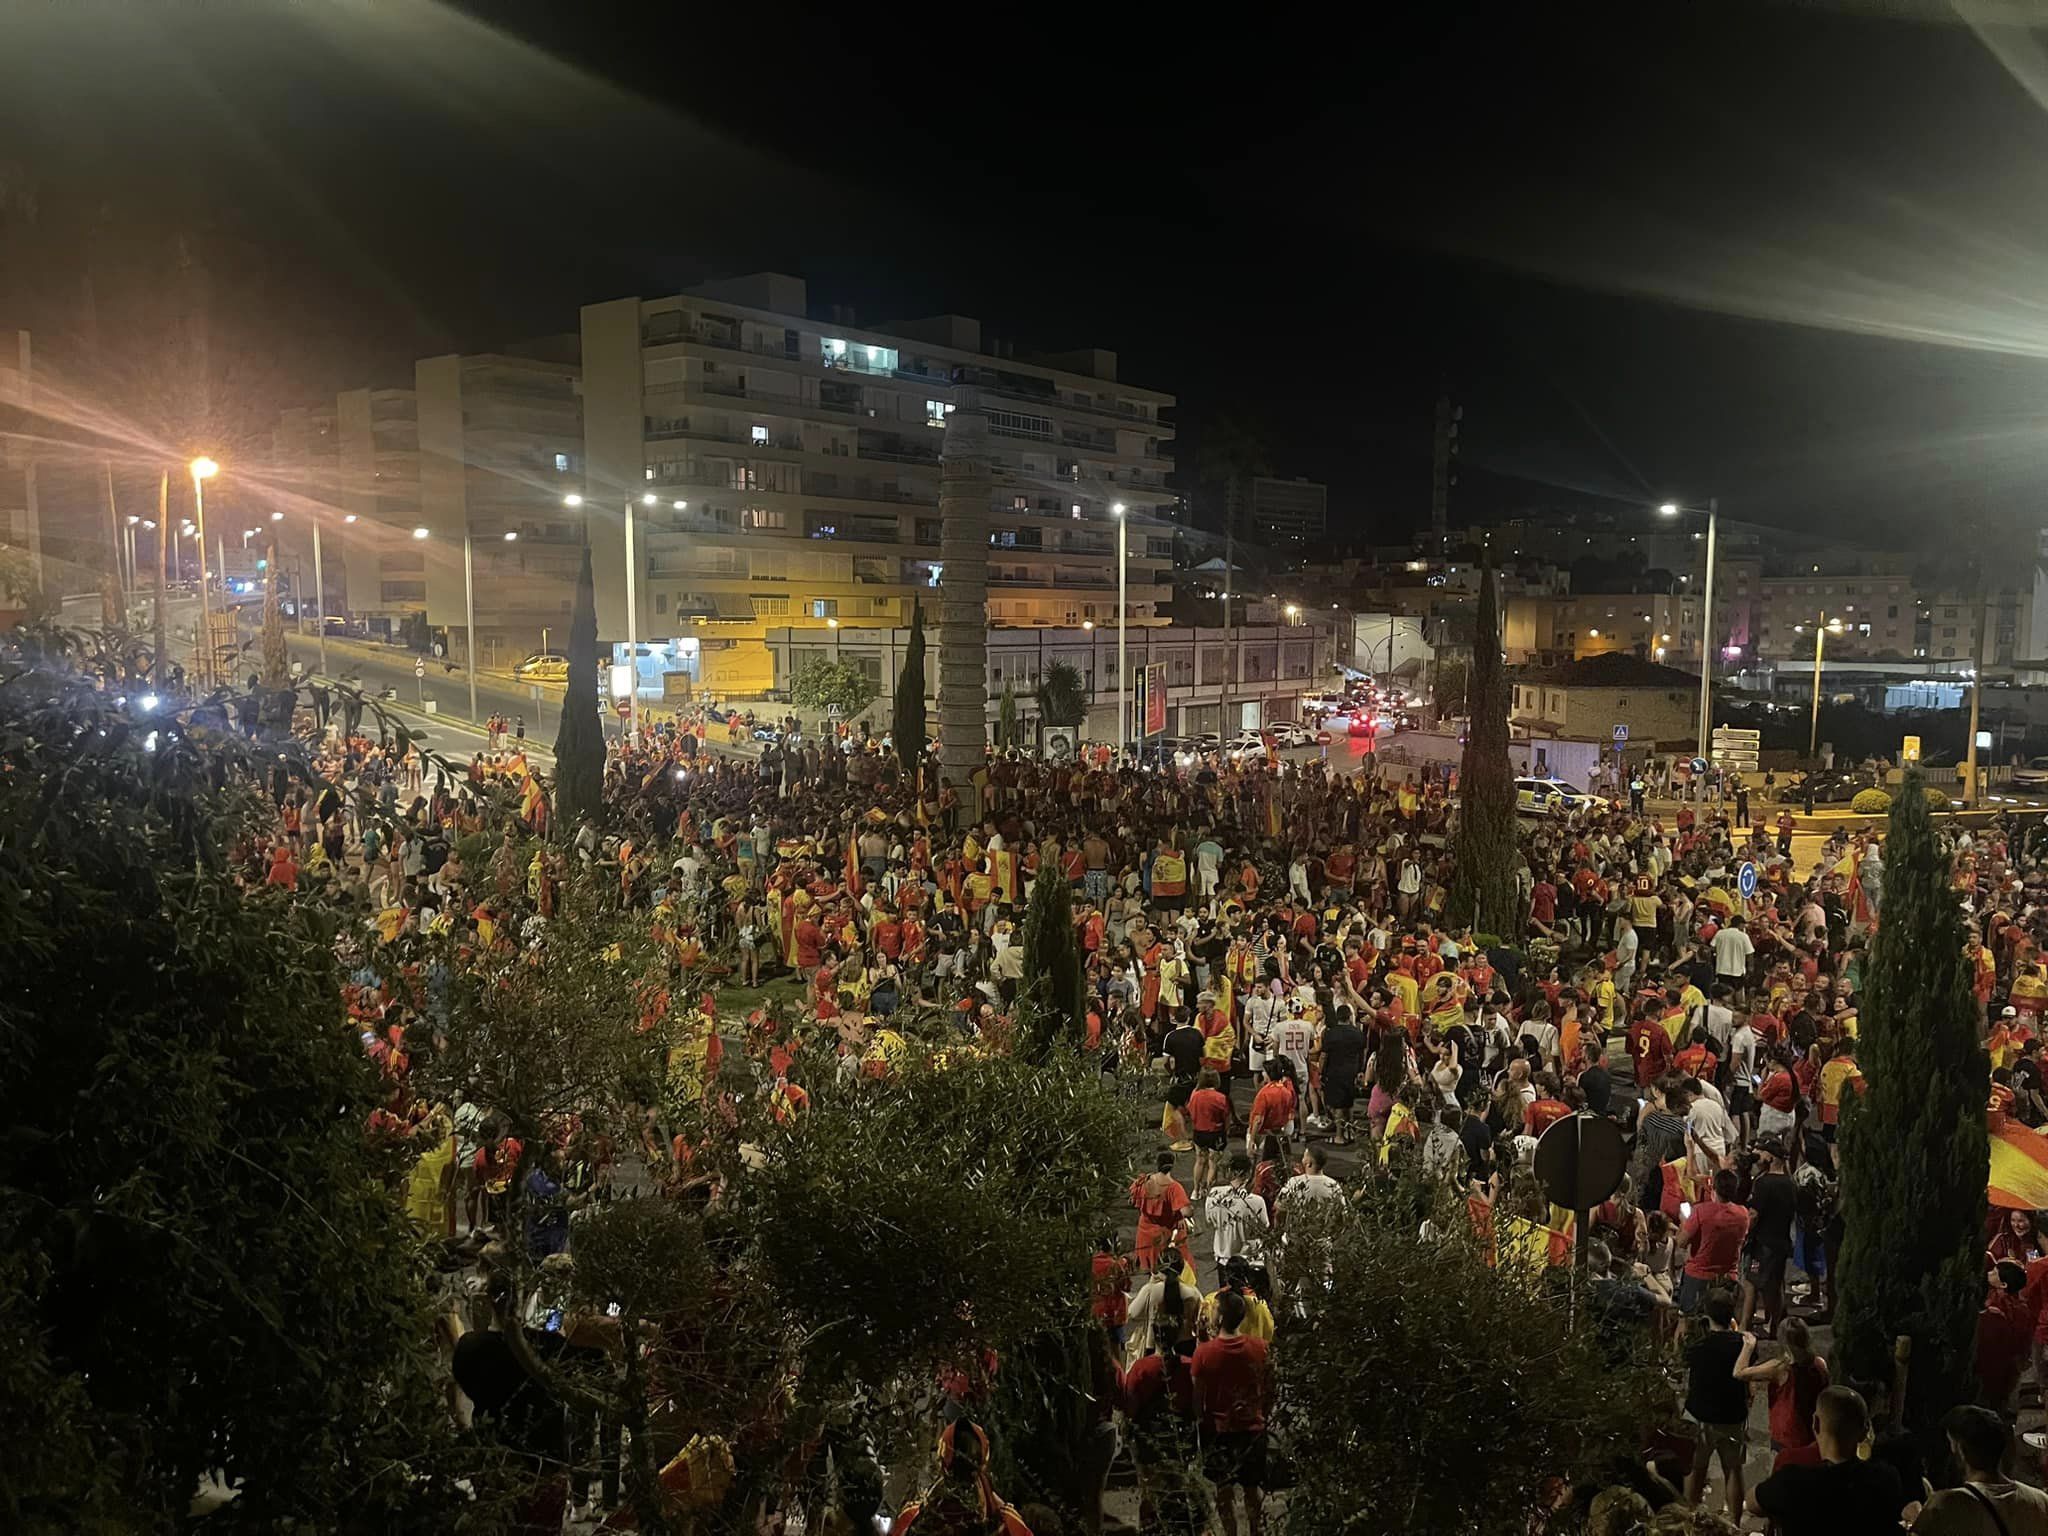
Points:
[(1692, 1290), (1235, 1457), (1764, 1268), (1729, 1441), (1212, 1141), (1097, 883), (1340, 1096)]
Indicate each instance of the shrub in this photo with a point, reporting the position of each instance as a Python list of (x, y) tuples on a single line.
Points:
[(1871, 802), (1937, 798)]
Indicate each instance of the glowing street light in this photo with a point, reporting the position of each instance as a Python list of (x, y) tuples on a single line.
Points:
[(511, 534), (419, 533), (572, 500)]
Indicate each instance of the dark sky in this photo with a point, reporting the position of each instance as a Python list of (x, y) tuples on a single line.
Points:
[(1793, 256)]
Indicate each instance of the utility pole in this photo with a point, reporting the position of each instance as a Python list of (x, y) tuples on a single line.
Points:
[(1976, 692), (1444, 470), (159, 666)]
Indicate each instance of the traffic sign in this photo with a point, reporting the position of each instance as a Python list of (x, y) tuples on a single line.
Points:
[(1699, 765), (1579, 1162), (419, 666), (1745, 879), (1620, 733)]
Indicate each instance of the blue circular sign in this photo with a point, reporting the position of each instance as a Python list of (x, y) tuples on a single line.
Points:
[(1699, 765), (1745, 879)]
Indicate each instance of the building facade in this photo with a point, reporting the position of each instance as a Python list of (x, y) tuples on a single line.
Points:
[(1279, 513), (784, 472), (1587, 700)]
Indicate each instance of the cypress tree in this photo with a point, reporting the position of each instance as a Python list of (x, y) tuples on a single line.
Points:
[(579, 744), (1915, 1151), (906, 725), (1056, 1005), (1483, 884)]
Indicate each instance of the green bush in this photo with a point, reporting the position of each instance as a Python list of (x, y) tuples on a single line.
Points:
[(1937, 798), (1871, 802)]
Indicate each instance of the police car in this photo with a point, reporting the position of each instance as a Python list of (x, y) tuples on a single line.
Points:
[(1553, 797)]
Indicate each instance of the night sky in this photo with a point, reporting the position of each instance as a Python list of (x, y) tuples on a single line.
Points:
[(1793, 256)]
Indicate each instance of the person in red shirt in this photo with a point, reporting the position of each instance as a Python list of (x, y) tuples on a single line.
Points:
[(1713, 1237), (810, 939), (889, 935), (1698, 1058), (284, 869), (1649, 1047), (1272, 1107), (1548, 1107), (2005, 1331), (1209, 1119), (1109, 1279), (1233, 1395)]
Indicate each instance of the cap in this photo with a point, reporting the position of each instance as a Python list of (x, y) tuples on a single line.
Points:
[(2009, 1012)]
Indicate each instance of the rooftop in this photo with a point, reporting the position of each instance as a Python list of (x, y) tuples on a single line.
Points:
[(1616, 669)]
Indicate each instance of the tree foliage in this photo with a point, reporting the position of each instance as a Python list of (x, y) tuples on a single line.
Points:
[(823, 684), (1006, 717), (1404, 1346), (1483, 884), (914, 1221), (204, 1269), (1915, 1150), (579, 743), (1053, 1006), (907, 725), (1062, 696)]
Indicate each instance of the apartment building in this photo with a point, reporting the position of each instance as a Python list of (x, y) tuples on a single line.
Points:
[(783, 473), (500, 446), (450, 488), (1878, 606), (1651, 626), (1278, 512)]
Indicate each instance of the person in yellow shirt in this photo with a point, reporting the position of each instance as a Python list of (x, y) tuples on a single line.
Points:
[(1407, 994)]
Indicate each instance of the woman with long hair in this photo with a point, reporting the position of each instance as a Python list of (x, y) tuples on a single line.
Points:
[(2017, 1239), (1390, 1067)]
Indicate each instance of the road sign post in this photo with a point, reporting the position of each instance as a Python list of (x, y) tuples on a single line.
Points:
[(1579, 1162), (419, 677)]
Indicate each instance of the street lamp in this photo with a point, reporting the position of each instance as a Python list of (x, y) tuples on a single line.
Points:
[(647, 499), (468, 609), (1123, 682), (1822, 628), (833, 625), (204, 469), (1713, 511)]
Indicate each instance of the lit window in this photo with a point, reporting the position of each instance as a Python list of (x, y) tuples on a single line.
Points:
[(760, 433), (936, 412), (824, 607), (649, 472), (561, 463)]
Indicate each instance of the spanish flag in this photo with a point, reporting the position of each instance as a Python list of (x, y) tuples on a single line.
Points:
[(1273, 815), (2019, 1168), (1002, 868), (1851, 867), (853, 881)]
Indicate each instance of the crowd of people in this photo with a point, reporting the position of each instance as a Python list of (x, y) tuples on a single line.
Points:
[(1271, 946)]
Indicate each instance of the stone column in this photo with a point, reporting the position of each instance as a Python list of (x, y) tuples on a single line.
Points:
[(964, 488)]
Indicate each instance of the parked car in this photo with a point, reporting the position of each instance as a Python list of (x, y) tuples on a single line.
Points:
[(1288, 733), (545, 667), (2032, 774), (1554, 797), (1831, 786)]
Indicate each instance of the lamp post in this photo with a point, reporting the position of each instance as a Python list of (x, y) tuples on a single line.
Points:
[(469, 612), (204, 469), (833, 625), (1713, 511), (632, 611), (1123, 678), (1822, 628), (320, 587), (128, 556)]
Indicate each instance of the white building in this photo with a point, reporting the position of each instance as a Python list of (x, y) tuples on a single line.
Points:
[(784, 473)]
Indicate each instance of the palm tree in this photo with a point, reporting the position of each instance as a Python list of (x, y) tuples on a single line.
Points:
[(1062, 698)]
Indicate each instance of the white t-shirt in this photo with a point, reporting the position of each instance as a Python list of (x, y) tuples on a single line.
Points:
[(1292, 1038), (1732, 950), (1310, 1188), (1237, 1222)]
